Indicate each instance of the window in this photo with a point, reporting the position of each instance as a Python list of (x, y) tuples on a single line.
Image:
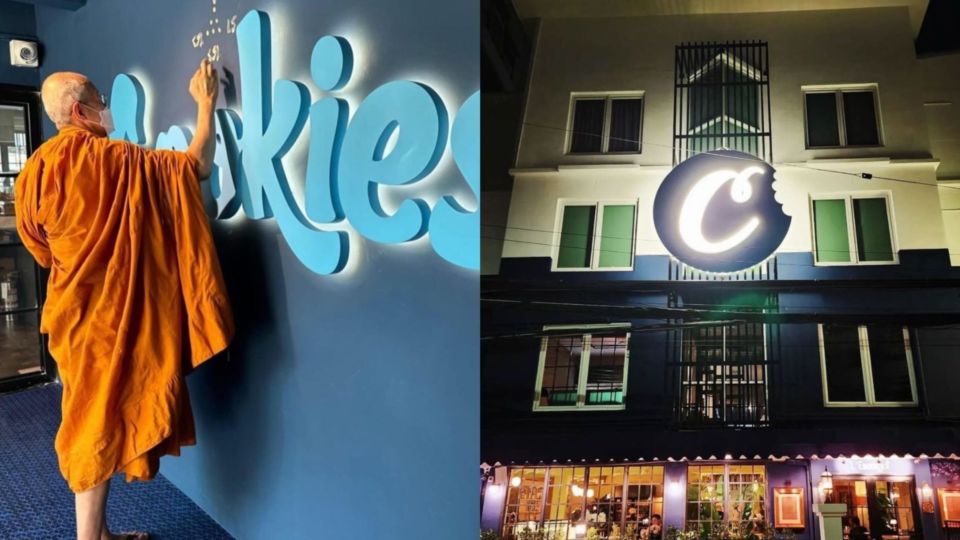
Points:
[(606, 124), (721, 99), (725, 493), (596, 236), (866, 366), (723, 376), (888, 500), (583, 367), (840, 117), (524, 500), (853, 229), (613, 501)]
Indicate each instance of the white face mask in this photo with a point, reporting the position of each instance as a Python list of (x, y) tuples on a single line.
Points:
[(106, 118)]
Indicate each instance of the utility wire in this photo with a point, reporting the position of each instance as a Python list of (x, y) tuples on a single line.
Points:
[(624, 252), (864, 175)]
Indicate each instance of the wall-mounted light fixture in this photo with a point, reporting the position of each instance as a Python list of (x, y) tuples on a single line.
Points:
[(926, 498), (675, 488), (826, 486)]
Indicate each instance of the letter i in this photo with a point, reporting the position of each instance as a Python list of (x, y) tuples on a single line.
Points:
[(331, 65)]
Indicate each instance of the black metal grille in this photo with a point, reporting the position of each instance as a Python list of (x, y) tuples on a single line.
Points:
[(677, 271), (723, 376), (721, 99)]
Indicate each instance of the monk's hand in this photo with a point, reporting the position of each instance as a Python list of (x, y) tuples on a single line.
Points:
[(205, 84), (204, 87)]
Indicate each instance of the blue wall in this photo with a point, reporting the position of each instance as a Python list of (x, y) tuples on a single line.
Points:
[(17, 21), (349, 405)]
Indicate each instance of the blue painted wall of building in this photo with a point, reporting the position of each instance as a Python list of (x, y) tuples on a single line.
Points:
[(17, 21), (349, 404)]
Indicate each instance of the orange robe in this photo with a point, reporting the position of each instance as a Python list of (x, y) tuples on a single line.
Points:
[(135, 298)]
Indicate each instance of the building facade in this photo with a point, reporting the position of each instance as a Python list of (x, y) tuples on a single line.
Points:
[(728, 289)]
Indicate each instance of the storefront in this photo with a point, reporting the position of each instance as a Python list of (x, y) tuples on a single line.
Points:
[(893, 497)]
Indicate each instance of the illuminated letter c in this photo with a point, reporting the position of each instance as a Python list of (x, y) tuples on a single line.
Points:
[(699, 197)]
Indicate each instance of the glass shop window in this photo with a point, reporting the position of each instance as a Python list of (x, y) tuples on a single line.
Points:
[(524, 506), (644, 498), (842, 117), (596, 236), (606, 124), (867, 366), (853, 229), (602, 502), (723, 496), (583, 368)]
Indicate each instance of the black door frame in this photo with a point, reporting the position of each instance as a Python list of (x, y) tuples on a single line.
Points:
[(873, 507), (30, 98)]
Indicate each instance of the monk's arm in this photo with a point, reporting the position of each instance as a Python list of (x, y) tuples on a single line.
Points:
[(204, 87), (204, 140)]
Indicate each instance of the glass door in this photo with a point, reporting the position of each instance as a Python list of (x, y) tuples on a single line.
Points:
[(23, 355), (885, 506)]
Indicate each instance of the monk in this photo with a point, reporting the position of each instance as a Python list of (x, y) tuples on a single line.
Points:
[(135, 296)]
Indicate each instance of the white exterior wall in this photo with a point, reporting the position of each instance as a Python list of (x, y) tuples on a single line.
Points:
[(533, 223), (863, 46)]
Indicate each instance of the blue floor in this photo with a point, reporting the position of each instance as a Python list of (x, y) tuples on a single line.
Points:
[(35, 502)]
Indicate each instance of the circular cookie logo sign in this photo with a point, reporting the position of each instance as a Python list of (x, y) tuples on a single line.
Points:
[(718, 212)]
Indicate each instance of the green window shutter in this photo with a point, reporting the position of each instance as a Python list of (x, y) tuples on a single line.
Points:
[(873, 229), (576, 237), (830, 228), (616, 236)]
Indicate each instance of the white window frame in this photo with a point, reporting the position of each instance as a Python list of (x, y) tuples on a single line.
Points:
[(837, 91), (867, 372), (562, 204), (607, 98), (848, 198), (584, 369)]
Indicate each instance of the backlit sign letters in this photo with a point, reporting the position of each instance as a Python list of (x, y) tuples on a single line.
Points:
[(718, 212), (348, 156)]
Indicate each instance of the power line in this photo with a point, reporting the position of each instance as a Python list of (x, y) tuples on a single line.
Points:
[(723, 308), (624, 252), (863, 175)]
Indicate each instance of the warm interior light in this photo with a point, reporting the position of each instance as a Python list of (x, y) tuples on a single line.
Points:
[(589, 493), (576, 490), (927, 491), (515, 481)]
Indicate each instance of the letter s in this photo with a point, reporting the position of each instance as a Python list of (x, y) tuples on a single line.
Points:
[(454, 231)]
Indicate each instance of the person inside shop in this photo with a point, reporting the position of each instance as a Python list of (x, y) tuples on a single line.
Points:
[(655, 531), (858, 531), (135, 297)]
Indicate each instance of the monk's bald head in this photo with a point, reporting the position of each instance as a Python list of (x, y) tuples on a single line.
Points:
[(61, 90)]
